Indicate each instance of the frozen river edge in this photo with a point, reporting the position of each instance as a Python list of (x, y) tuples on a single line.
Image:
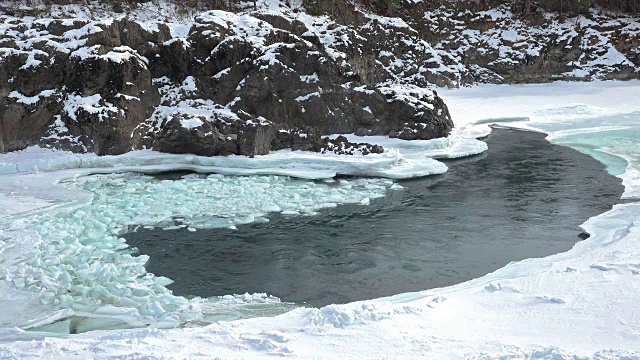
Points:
[(76, 261), (530, 309)]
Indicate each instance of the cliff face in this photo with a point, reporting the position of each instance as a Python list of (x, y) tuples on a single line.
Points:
[(222, 84), (501, 45)]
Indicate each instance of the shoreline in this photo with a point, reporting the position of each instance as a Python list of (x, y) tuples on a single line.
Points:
[(302, 165), (539, 304), (437, 227)]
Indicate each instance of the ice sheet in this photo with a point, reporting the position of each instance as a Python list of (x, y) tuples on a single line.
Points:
[(301, 164)]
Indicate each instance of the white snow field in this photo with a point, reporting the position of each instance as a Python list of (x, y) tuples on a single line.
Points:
[(583, 303)]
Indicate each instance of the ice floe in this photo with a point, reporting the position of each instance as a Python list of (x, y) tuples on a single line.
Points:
[(84, 265)]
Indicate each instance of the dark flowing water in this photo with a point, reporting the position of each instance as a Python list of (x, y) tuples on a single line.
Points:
[(524, 198)]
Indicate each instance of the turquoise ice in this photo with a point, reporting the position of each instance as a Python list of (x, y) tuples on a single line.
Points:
[(86, 269)]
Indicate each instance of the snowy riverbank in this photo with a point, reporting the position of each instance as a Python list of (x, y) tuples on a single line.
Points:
[(582, 303)]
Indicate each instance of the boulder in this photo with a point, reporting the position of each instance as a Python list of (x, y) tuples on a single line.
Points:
[(342, 146), (204, 140), (254, 138)]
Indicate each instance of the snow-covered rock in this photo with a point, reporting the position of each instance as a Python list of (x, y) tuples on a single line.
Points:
[(113, 85), (499, 45)]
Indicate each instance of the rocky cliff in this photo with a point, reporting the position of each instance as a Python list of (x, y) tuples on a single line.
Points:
[(501, 45), (222, 84), (219, 83)]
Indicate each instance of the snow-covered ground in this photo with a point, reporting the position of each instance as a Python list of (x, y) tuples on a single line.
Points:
[(578, 304)]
